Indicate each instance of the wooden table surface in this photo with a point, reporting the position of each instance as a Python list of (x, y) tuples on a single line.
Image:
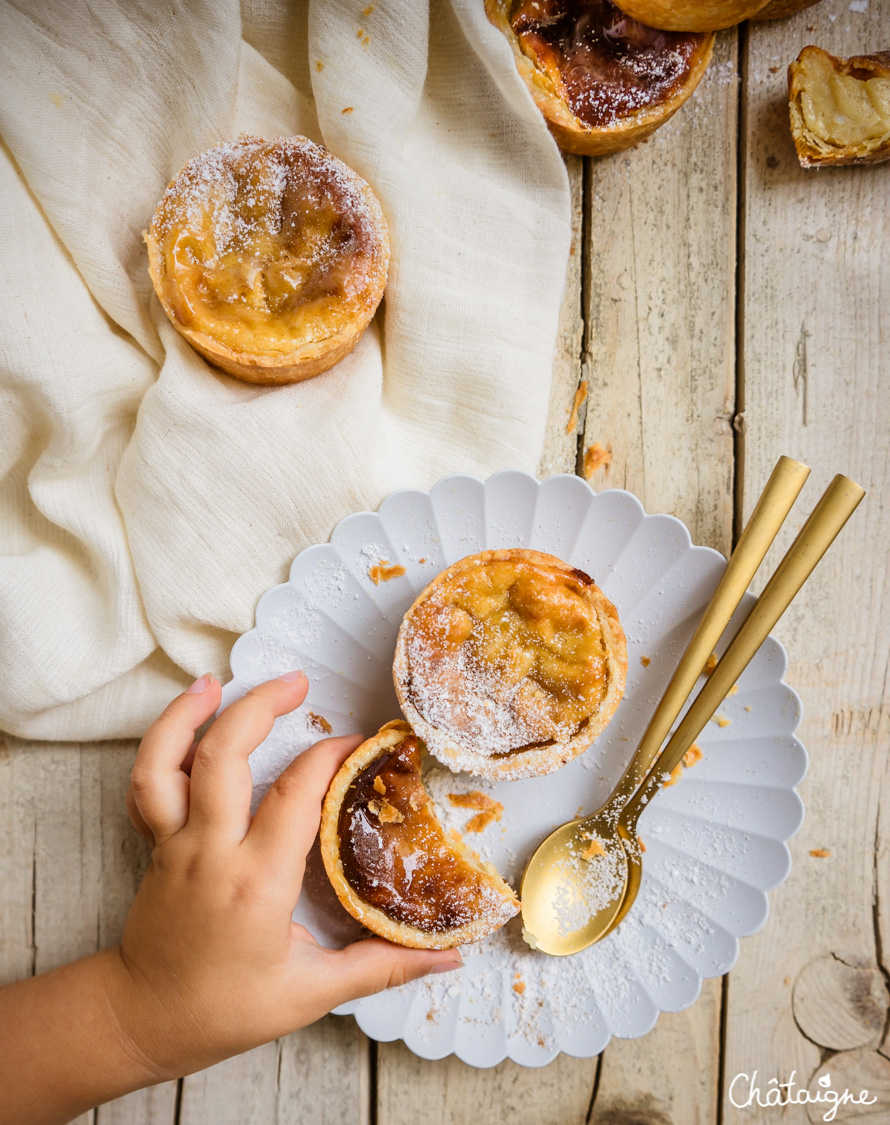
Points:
[(723, 307)]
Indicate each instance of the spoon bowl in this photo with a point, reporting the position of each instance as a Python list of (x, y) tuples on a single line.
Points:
[(576, 881)]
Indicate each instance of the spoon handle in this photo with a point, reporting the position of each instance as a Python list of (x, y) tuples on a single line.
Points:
[(776, 500), (837, 504)]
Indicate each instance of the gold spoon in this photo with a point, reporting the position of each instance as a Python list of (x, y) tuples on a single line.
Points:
[(837, 504), (576, 884), (565, 875)]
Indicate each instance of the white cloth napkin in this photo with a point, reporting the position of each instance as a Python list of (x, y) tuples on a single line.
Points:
[(146, 500)]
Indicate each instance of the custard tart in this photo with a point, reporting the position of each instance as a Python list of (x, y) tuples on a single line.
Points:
[(269, 257), (839, 108), (692, 15), (389, 860), (509, 664), (603, 81)]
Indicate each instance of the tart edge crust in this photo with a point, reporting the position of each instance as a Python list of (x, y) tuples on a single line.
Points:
[(390, 735), (572, 134), (303, 362), (526, 763)]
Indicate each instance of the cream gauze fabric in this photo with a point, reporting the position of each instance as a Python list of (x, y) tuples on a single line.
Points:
[(147, 500)]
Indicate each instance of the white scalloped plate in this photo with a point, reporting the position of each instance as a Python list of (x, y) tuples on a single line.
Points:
[(715, 842)]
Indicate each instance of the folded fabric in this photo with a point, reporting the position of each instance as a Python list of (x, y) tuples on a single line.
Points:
[(147, 500)]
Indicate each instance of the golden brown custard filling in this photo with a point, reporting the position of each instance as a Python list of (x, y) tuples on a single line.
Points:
[(841, 109), (605, 65), (509, 654), (395, 854), (266, 245)]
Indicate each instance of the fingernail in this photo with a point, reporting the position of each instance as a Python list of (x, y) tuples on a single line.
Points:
[(446, 967), (289, 677), (201, 684)]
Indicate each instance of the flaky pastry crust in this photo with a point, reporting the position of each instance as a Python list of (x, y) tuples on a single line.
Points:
[(692, 15), (509, 664), (492, 901), (269, 257), (839, 108), (626, 127)]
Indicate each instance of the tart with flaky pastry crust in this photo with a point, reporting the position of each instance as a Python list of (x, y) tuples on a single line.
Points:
[(603, 81), (839, 108), (389, 860), (509, 664), (269, 257)]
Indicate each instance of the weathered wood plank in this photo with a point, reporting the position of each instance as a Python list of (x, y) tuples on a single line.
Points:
[(448, 1092), (69, 863), (661, 373), (661, 310), (560, 441), (816, 284)]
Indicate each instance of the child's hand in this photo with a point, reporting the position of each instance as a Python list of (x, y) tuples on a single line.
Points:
[(213, 964)]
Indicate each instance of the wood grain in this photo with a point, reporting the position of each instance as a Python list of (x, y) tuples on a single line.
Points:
[(660, 361), (661, 373), (560, 444), (814, 365), (449, 1092)]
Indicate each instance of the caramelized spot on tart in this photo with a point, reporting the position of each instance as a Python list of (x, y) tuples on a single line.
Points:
[(406, 867), (605, 65), (508, 654)]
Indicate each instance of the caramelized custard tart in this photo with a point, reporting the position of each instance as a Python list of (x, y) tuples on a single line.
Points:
[(269, 257), (389, 860), (603, 81), (509, 664), (840, 108)]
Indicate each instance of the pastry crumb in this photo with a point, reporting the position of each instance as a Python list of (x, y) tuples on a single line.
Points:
[(595, 458), (593, 849), (519, 986), (319, 722), (380, 785), (721, 721), (348, 109), (481, 821), (476, 799), (384, 572), (319, 65), (734, 690), (640, 844), (367, 11), (645, 661), (748, 708), (692, 755), (385, 812), (820, 853), (710, 664), (422, 561), (580, 396), (674, 776)]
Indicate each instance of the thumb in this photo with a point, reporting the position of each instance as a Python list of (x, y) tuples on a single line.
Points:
[(370, 966)]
